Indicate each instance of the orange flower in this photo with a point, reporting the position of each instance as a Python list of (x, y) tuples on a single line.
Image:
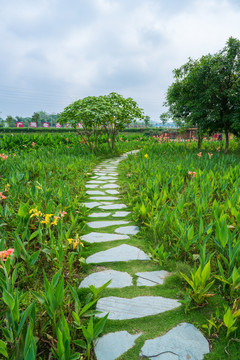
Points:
[(199, 154), (67, 139), (4, 254), (33, 144), (218, 149), (2, 196), (210, 155)]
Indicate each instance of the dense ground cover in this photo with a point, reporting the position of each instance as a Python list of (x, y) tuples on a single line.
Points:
[(41, 221), (188, 202)]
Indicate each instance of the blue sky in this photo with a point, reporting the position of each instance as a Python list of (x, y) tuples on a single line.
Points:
[(54, 52)]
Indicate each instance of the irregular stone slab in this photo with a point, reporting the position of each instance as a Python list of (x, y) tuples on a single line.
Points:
[(112, 207), (184, 342), (91, 186), (99, 215), (151, 278), (106, 178), (110, 186), (118, 253), (95, 237), (95, 182), (104, 198), (93, 204), (113, 345), (112, 192), (129, 230), (95, 192), (119, 279), (121, 213), (101, 224), (122, 308)]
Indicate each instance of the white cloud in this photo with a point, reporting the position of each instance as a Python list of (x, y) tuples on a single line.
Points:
[(91, 47)]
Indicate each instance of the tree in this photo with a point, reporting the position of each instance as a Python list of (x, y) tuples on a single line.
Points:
[(147, 120), (206, 92), (11, 122), (36, 118), (107, 114)]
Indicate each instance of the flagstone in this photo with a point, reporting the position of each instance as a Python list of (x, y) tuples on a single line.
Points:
[(119, 279), (101, 224), (184, 341), (93, 204), (119, 253), (95, 182), (100, 198), (112, 192), (95, 237), (141, 306), (93, 186), (129, 230), (151, 278), (112, 207), (110, 186), (121, 213), (104, 177), (95, 192), (113, 345), (99, 214)]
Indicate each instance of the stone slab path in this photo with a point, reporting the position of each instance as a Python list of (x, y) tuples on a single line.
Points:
[(184, 342)]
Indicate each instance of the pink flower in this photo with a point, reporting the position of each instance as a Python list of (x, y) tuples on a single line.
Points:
[(109, 140), (33, 144), (67, 139), (210, 155), (2, 196), (14, 155), (63, 213), (199, 154), (218, 149), (192, 173), (4, 254), (126, 141), (135, 154)]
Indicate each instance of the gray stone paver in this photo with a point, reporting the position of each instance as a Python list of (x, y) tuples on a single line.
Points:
[(129, 230), (112, 206), (151, 278), (95, 237), (102, 224), (119, 253), (93, 204), (95, 192), (99, 214), (141, 306), (119, 279), (113, 345), (112, 192), (184, 341), (101, 198), (110, 186), (121, 213)]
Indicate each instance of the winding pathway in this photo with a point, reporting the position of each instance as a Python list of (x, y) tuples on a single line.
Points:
[(184, 342)]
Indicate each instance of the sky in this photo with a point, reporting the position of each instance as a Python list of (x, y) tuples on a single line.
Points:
[(54, 52)]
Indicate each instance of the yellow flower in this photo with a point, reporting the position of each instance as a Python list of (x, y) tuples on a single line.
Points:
[(146, 155), (38, 187), (70, 240)]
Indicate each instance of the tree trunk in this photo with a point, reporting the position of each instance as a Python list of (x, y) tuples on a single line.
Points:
[(200, 139), (227, 141)]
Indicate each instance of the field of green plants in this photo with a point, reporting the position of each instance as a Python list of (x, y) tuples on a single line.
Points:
[(42, 181), (188, 201)]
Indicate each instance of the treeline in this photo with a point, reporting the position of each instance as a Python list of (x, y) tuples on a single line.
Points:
[(39, 117)]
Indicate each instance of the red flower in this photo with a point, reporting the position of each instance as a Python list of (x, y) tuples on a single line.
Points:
[(2, 196)]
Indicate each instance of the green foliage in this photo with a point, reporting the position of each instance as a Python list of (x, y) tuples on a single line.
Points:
[(205, 92), (106, 114)]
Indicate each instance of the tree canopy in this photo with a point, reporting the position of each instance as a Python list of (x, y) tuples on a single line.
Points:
[(108, 113), (206, 92)]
